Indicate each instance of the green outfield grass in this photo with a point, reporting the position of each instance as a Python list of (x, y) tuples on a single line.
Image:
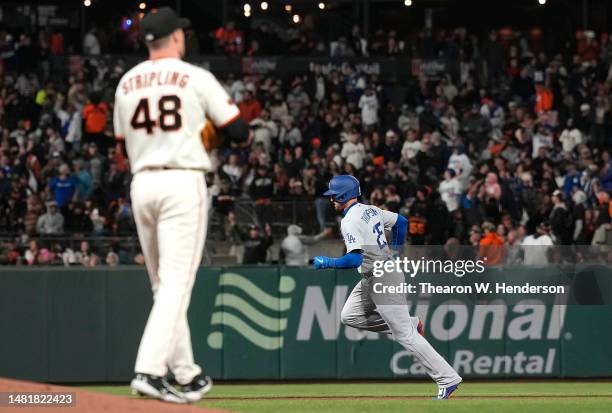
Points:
[(477, 397)]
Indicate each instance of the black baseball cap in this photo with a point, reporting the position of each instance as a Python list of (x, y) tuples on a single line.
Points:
[(160, 23)]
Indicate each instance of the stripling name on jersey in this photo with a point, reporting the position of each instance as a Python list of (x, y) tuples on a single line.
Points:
[(152, 79), (363, 228), (161, 106)]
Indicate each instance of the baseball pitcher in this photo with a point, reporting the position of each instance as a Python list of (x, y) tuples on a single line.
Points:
[(168, 112), (363, 230)]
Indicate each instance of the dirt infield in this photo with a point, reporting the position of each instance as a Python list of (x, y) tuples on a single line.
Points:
[(88, 402)]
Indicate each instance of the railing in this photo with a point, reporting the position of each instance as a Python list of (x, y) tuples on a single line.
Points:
[(280, 214)]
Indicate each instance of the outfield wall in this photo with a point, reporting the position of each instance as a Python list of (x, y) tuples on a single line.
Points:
[(267, 322)]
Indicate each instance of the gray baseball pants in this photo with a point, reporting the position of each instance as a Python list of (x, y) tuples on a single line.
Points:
[(388, 313)]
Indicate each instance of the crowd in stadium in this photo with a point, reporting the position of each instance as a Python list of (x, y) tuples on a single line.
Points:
[(508, 143), (257, 40)]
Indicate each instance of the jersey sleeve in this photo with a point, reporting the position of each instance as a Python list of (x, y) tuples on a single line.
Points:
[(117, 125), (351, 235), (389, 219), (218, 105)]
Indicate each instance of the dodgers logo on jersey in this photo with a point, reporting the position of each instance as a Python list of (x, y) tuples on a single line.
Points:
[(349, 239)]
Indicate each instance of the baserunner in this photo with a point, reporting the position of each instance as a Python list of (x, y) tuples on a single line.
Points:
[(363, 230)]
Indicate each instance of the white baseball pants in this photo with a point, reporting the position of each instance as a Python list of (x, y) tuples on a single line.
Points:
[(171, 214)]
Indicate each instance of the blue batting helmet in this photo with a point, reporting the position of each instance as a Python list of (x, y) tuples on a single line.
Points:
[(343, 188)]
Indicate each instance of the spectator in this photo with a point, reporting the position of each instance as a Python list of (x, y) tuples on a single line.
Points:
[(82, 180), (411, 146), (233, 171), (52, 222), (77, 221), (536, 246), (46, 95), (290, 135), (570, 137), (33, 211), (369, 108), (85, 257), (450, 190), (579, 212), (492, 187), (31, 254), (261, 191), (461, 164), (72, 127), (294, 247), (56, 143), (91, 45), (278, 108), (249, 107), (255, 245), (561, 220), (123, 218), (265, 131), (544, 98), (491, 246), (353, 151), (63, 187), (112, 259), (115, 183), (95, 162), (229, 39), (542, 138), (95, 116), (603, 222), (297, 99), (494, 56)]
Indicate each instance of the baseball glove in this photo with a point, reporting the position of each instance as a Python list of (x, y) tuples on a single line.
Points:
[(210, 136)]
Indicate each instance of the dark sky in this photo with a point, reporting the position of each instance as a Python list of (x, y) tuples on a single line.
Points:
[(565, 15)]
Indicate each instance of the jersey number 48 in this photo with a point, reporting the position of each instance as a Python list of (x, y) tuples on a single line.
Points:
[(169, 116)]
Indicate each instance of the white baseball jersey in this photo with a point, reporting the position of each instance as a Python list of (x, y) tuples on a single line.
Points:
[(161, 107), (363, 228)]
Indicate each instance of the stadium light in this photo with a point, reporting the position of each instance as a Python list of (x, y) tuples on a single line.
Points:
[(247, 8), (247, 13), (296, 18), (407, 3), (288, 8), (86, 3), (322, 6), (142, 6), (542, 2), (264, 5)]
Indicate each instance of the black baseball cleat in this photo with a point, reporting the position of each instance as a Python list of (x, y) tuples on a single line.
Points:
[(157, 387), (199, 386)]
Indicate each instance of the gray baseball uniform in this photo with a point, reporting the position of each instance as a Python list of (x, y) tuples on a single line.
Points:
[(363, 228)]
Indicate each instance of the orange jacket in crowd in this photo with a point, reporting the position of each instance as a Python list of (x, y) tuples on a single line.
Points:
[(95, 117), (57, 43), (544, 100), (491, 247), (230, 39), (249, 110)]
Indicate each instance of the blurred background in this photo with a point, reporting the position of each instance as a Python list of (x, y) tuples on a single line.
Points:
[(486, 123)]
